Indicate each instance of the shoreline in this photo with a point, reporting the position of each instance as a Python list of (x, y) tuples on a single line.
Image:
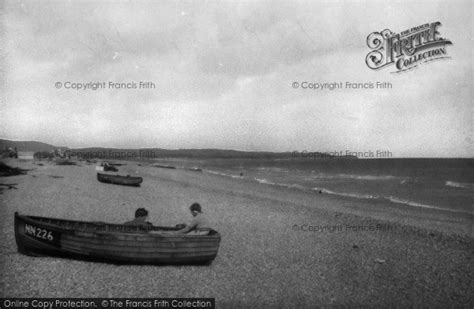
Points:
[(420, 258)]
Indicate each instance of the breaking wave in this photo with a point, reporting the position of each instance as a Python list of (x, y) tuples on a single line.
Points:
[(392, 199), (222, 174), (358, 177), (415, 204), (464, 185)]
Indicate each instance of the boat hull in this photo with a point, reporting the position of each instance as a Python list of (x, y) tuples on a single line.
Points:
[(120, 180), (112, 243)]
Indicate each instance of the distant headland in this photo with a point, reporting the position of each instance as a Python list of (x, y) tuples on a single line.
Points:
[(150, 153)]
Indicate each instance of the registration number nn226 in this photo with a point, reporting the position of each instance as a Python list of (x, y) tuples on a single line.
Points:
[(39, 232)]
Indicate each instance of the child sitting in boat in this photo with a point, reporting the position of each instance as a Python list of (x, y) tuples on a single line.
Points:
[(198, 221), (141, 214)]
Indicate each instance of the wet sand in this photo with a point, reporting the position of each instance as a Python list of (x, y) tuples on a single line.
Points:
[(280, 247)]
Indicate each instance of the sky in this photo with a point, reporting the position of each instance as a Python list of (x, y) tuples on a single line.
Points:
[(223, 74)]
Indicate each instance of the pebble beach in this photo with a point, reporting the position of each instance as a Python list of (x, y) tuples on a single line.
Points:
[(279, 248)]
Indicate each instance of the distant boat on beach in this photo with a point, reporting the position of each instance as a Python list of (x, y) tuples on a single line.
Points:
[(106, 167), (113, 243), (165, 166), (120, 180)]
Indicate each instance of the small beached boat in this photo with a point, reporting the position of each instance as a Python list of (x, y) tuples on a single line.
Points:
[(106, 167), (165, 166), (113, 243), (120, 180)]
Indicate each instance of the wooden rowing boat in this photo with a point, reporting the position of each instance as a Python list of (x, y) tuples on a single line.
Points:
[(113, 243), (120, 180)]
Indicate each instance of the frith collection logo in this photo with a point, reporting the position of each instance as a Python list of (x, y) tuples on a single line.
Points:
[(407, 49)]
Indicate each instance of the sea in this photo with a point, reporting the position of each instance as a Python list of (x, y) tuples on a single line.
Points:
[(443, 184)]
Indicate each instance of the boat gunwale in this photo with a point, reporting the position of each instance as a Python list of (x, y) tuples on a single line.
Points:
[(121, 229)]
